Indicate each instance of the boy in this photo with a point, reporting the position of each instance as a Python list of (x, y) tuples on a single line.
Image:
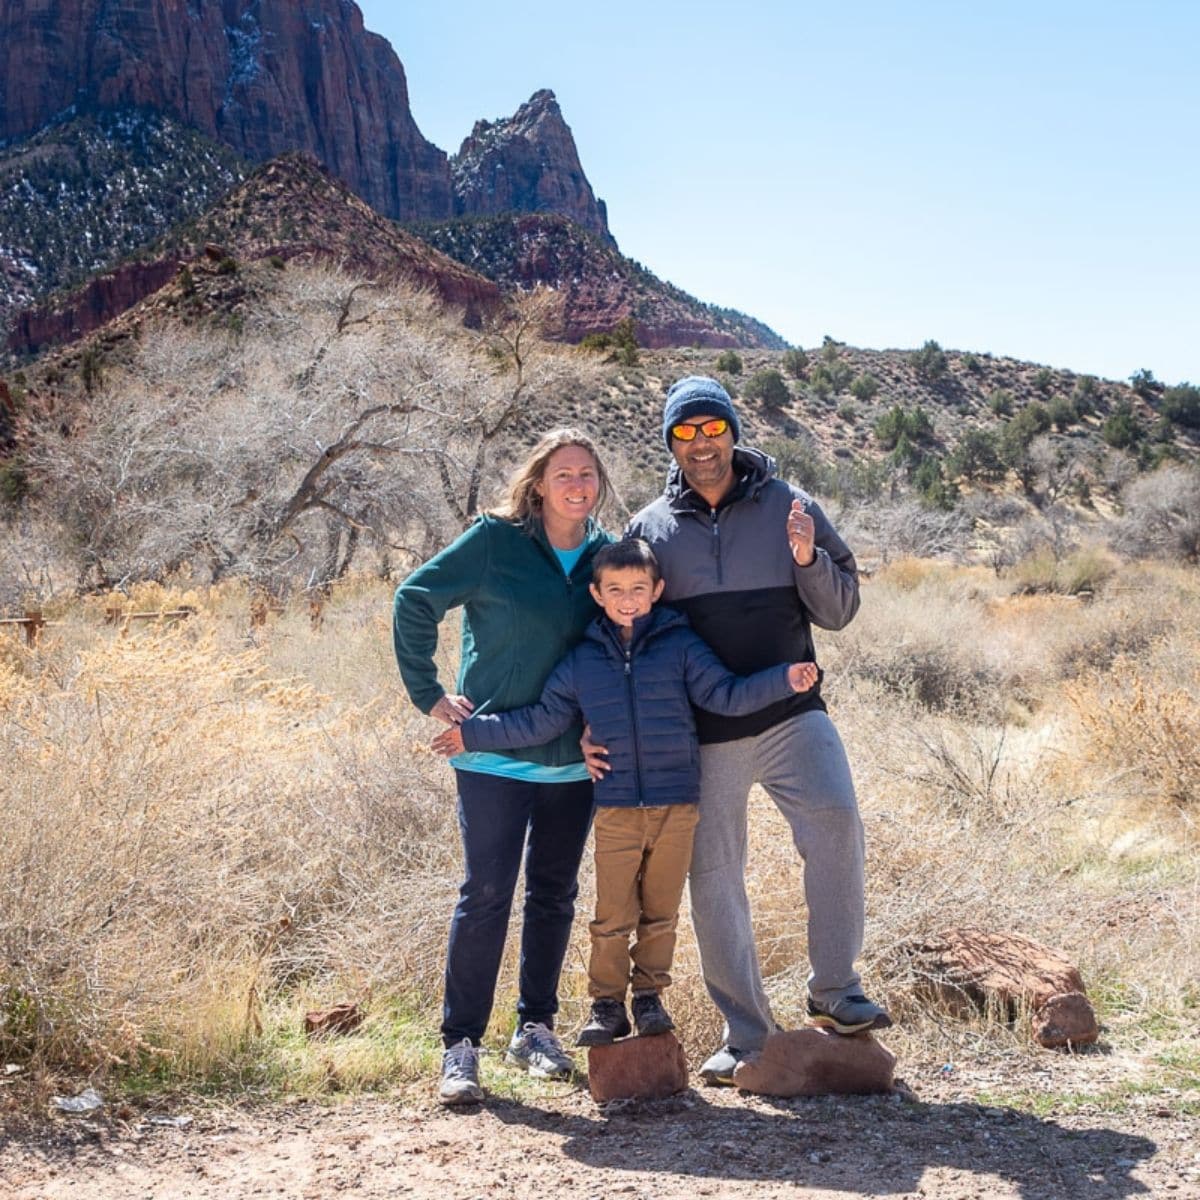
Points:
[(634, 678)]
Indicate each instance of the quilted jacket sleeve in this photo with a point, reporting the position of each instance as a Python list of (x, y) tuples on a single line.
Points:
[(713, 687), (556, 710)]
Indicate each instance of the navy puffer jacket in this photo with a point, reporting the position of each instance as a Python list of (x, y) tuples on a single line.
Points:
[(638, 701)]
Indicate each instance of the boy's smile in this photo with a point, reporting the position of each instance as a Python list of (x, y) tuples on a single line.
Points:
[(626, 593)]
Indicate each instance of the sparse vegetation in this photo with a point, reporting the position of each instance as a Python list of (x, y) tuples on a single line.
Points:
[(1144, 384), (1121, 427), (1181, 405), (929, 362), (285, 806), (864, 387), (768, 388), (1000, 402), (900, 423), (795, 362), (977, 456), (730, 362)]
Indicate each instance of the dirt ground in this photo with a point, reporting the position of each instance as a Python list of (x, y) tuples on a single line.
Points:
[(930, 1139)]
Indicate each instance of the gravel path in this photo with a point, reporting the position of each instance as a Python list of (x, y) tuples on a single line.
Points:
[(557, 1143)]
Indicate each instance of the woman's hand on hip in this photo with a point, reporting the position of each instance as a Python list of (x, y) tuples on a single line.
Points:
[(454, 710)]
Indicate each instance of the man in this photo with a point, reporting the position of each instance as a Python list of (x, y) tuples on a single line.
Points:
[(753, 563)]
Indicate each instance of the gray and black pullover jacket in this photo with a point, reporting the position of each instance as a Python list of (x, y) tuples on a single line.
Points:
[(730, 571)]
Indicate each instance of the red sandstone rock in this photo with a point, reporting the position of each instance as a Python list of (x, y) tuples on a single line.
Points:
[(816, 1062), (265, 78), (89, 307), (984, 967), (527, 163), (637, 1068), (1065, 1020), (1010, 973), (341, 1018)]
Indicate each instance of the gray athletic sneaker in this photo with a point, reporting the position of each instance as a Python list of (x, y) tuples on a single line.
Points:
[(849, 1014), (460, 1074), (717, 1070), (537, 1050)]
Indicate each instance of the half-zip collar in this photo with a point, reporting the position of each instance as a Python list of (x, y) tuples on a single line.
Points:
[(752, 469)]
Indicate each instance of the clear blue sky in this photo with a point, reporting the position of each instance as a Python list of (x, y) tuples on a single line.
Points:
[(1014, 177)]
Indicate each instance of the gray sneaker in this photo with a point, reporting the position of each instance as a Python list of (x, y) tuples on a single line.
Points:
[(717, 1069), (537, 1050), (849, 1014), (460, 1074)]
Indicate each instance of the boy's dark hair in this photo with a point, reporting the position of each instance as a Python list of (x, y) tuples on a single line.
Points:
[(632, 552)]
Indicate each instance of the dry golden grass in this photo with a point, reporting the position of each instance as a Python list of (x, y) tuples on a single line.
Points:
[(209, 826)]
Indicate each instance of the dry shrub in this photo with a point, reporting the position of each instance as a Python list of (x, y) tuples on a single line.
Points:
[(1082, 572), (211, 826), (1129, 718), (188, 835), (918, 637)]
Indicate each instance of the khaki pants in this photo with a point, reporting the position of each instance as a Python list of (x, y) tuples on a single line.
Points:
[(642, 859)]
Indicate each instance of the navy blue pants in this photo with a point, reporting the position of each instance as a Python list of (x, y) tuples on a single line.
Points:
[(499, 819)]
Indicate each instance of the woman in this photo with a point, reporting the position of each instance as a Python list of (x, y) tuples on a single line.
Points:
[(521, 573)]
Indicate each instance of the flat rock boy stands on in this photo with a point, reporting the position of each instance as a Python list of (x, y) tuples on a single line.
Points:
[(754, 563)]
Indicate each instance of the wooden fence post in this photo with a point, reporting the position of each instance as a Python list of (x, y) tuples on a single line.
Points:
[(33, 626)]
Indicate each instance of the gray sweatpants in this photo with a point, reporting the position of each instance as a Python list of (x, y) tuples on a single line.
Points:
[(802, 766)]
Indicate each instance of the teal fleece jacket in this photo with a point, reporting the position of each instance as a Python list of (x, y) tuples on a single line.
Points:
[(521, 614)]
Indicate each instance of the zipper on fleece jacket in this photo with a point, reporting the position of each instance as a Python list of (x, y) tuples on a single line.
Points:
[(716, 542), (637, 744)]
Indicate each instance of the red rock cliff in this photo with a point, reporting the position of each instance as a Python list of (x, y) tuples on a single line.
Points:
[(528, 164), (265, 76)]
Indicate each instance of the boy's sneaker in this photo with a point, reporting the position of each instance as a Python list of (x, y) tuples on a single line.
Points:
[(460, 1074), (850, 1014), (717, 1070), (649, 1015), (606, 1022), (536, 1049)]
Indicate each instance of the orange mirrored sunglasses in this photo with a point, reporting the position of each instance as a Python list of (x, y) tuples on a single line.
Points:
[(710, 429)]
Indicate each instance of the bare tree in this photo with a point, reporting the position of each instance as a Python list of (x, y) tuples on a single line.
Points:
[(906, 528), (341, 414), (1162, 516)]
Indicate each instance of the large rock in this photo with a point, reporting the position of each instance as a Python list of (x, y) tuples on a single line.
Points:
[(263, 76), (817, 1062), (1007, 973), (1065, 1020), (637, 1068), (527, 163)]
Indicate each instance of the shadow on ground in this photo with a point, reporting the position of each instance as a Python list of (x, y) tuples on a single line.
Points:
[(871, 1145)]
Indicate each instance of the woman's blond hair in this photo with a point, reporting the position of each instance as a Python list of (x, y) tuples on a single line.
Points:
[(521, 502)]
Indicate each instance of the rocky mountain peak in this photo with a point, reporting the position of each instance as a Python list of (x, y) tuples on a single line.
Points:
[(262, 76), (526, 163)]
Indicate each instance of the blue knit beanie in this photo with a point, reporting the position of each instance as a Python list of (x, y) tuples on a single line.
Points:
[(698, 396)]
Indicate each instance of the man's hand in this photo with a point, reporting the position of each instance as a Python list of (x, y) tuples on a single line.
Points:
[(594, 757), (801, 535), (454, 710), (801, 676), (449, 742)]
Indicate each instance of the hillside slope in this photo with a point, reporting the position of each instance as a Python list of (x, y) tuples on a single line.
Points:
[(85, 194), (599, 286)]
